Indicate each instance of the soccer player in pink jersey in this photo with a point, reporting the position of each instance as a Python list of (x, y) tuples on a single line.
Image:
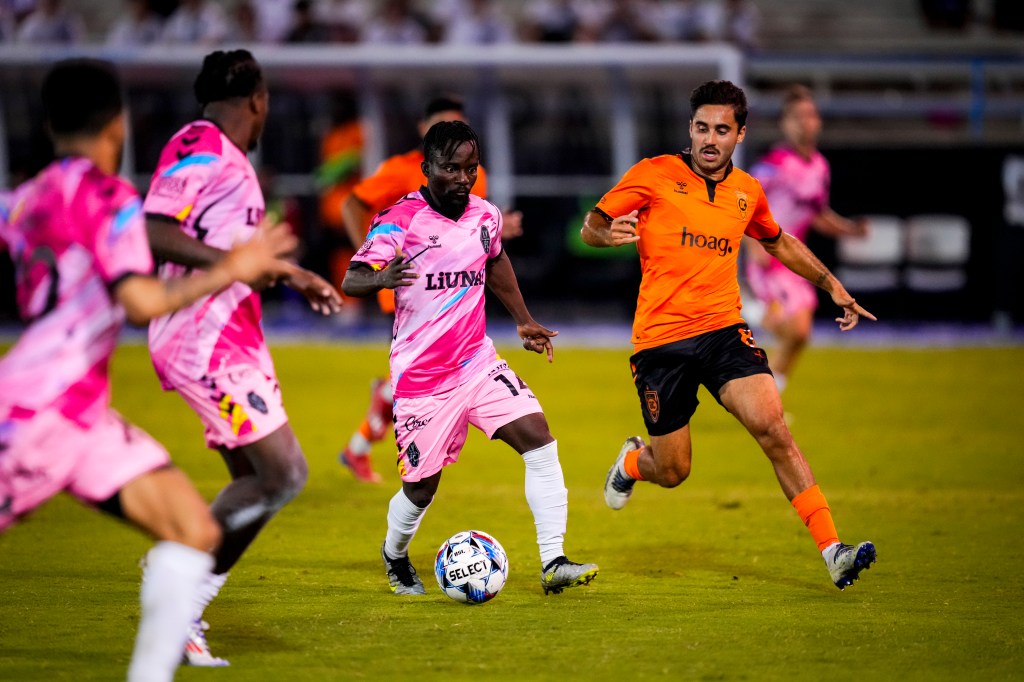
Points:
[(437, 248), (77, 234), (795, 177), (204, 197)]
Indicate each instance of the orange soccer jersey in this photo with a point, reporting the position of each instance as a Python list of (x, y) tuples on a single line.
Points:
[(690, 230)]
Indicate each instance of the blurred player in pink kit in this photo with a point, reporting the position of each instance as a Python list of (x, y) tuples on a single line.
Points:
[(77, 234), (204, 197), (796, 180), (437, 248)]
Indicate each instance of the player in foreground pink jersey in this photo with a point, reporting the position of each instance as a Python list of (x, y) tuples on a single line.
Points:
[(796, 180), (438, 248), (77, 234), (204, 197)]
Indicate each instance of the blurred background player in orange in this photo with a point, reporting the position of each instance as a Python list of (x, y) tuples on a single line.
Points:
[(796, 178), (341, 157), (393, 179)]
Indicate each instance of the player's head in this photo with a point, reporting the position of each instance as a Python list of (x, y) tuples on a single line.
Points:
[(235, 80), (442, 108), (82, 101), (800, 121), (451, 152), (718, 122)]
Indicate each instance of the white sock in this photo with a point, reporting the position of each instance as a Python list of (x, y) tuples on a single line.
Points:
[(173, 575), (548, 499), (209, 589), (358, 445), (403, 521)]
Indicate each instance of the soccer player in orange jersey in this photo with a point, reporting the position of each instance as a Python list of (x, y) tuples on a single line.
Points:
[(687, 213), (394, 178)]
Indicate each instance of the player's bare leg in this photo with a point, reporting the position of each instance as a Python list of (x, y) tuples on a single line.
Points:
[(755, 402), (266, 475), (548, 499), (792, 333), (165, 504)]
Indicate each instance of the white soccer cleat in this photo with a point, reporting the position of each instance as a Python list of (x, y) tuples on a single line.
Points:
[(402, 576), (618, 485), (562, 573), (197, 651), (845, 562)]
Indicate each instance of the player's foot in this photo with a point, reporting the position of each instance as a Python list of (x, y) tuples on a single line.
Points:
[(618, 485), (197, 651), (379, 416), (360, 466), (402, 575), (562, 573), (845, 562)]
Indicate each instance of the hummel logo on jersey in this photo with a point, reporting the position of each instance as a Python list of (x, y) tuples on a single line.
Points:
[(701, 241), (433, 239), (681, 188), (454, 280)]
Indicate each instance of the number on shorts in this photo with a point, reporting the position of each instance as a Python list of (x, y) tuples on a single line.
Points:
[(508, 384)]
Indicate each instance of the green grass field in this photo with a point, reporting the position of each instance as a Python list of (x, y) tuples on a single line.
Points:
[(918, 451)]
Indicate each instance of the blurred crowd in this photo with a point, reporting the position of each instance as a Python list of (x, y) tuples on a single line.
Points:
[(388, 22)]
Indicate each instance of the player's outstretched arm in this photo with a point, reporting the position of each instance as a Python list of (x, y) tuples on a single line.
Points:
[(795, 255), (365, 281), (599, 231), (323, 298), (501, 280), (144, 297)]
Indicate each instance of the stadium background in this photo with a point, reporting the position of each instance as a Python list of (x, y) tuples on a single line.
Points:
[(917, 120)]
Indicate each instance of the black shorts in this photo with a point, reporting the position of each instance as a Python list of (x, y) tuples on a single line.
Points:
[(667, 377)]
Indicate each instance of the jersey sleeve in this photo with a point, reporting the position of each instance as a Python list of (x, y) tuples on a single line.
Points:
[(495, 229), (179, 178), (383, 241), (120, 245), (632, 192), (762, 224)]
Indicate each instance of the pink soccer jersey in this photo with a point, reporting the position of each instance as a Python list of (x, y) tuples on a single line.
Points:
[(207, 183), (797, 188), (440, 338), (74, 232)]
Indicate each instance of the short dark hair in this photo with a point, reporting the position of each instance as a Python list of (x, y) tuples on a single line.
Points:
[(794, 95), (81, 96), (720, 92), (445, 137), (443, 103), (226, 75)]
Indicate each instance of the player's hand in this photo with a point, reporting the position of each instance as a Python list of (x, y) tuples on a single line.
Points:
[(323, 298), (852, 312), (511, 225), (622, 230), (398, 273), (537, 338), (259, 259)]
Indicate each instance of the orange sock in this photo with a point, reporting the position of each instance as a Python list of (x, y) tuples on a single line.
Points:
[(365, 431), (631, 464), (814, 512)]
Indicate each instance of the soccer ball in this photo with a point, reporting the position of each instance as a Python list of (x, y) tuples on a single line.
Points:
[(471, 567)]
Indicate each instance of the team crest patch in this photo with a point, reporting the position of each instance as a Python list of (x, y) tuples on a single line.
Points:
[(653, 405), (485, 239), (412, 454), (741, 203), (257, 403)]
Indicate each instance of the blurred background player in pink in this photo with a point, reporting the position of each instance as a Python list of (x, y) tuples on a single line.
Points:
[(78, 235), (205, 196), (795, 177), (394, 178)]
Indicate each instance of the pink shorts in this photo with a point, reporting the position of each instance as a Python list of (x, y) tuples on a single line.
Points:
[(783, 287), (239, 406), (46, 453), (431, 431)]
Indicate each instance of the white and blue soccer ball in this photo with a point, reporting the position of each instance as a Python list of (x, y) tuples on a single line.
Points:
[(471, 567)]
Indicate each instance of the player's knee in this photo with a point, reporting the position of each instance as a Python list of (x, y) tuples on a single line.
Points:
[(773, 436), (287, 483), (202, 533), (674, 475)]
